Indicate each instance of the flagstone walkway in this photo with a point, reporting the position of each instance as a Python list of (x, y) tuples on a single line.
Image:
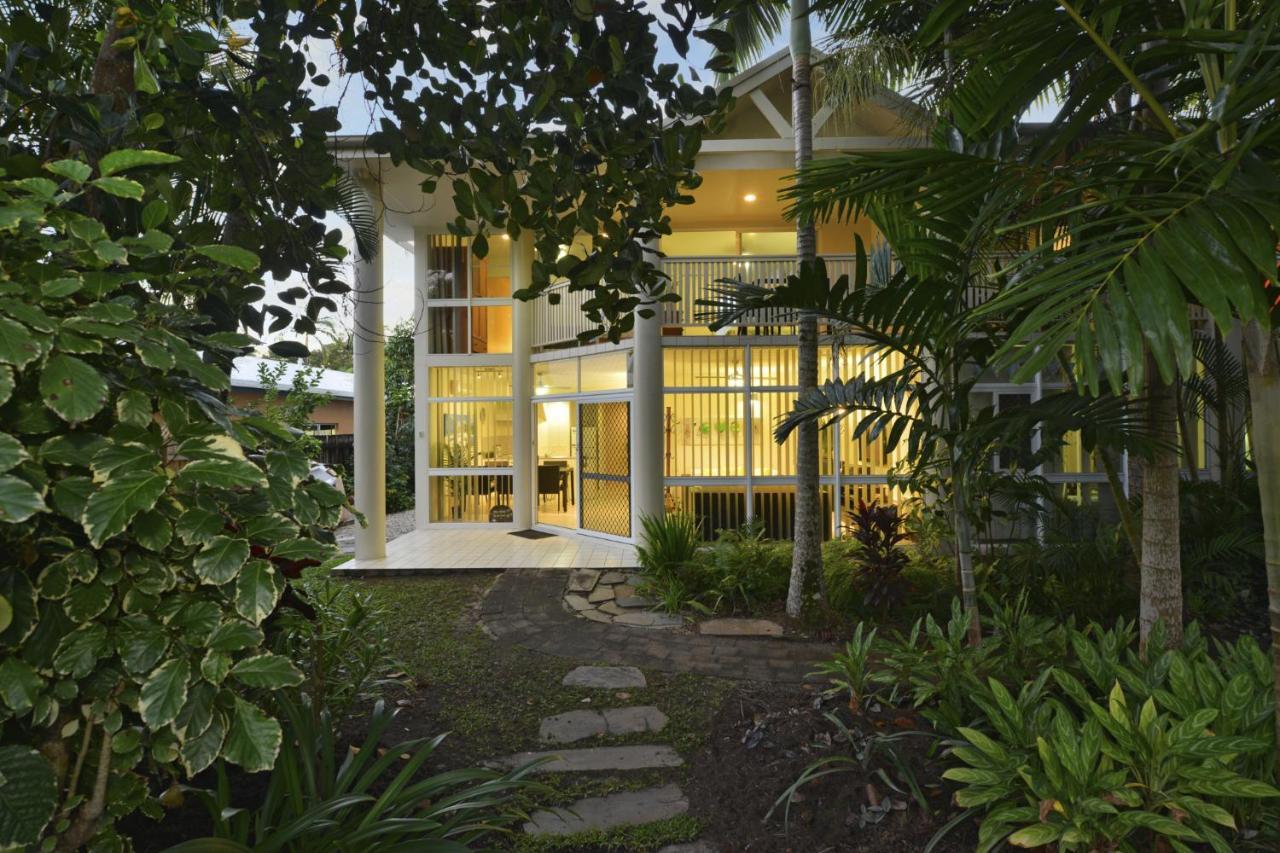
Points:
[(525, 607)]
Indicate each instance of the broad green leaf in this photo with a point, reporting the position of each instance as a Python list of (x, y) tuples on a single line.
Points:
[(72, 170), (301, 549), (222, 474), (17, 346), (220, 559), (131, 158), (71, 448), (72, 388), (6, 383), (80, 650), (122, 457), (152, 530), (122, 187), (234, 635), (85, 601), (18, 501), (230, 256), (141, 643), (144, 79), (253, 738), (214, 666), (267, 670), (134, 407), (257, 590), (164, 693), (11, 451), (71, 495), (19, 684), (111, 508), (28, 795), (197, 526), (199, 752), (112, 253), (1036, 835)]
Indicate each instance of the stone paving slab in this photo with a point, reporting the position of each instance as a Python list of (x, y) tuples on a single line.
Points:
[(646, 619), (690, 847), (578, 725), (605, 677), (640, 757), (740, 628), (583, 580), (611, 811)]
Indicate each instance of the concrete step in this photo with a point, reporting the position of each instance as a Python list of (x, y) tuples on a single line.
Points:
[(578, 725), (594, 758), (628, 808)]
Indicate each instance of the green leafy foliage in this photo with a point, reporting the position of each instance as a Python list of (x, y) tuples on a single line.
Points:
[(321, 797), (128, 497)]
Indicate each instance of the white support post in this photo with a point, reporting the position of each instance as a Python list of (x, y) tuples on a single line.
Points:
[(522, 437), (646, 417), (367, 354), (421, 390)]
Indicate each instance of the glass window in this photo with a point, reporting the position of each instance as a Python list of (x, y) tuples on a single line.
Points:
[(608, 372), (469, 497), (555, 377), (705, 436), (775, 366), (491, 275), (770, 459), (491, 328), (769, 243), (557, 449), (447, 266), (470, 435), (470, 382), (702, 367), (447, 330)]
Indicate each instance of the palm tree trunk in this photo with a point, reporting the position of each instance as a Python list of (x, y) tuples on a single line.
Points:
[(807, 533), (1263, 355), (1161, 566), (964, 552)]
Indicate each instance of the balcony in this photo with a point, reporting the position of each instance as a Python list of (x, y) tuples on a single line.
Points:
[(693, 278)]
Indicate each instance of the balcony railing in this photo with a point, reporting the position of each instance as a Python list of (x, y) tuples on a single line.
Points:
[(694, 279)]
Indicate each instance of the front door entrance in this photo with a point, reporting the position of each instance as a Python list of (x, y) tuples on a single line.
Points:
[(604, 465)]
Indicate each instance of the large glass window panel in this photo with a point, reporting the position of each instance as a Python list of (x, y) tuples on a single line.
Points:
[(606, 372), (447, 330), (491, 329), (487, 381), (863, 456), (769, 243), (555, 377), (470, 435), (702, 367), (770, 459), (557, 452), (491, 275), (775, 366), (447, 266), (468, 497), (705, 435)]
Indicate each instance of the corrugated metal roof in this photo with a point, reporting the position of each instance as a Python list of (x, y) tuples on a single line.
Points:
[(336, 383)]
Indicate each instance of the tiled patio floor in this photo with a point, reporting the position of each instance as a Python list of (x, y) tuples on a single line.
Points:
[(452, 549)]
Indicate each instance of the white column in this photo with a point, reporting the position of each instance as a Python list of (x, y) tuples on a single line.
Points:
[(421, 446), (522, 437), (370, 401), (646, 418)]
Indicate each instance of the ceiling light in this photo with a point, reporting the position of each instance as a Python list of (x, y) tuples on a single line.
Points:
[(749, 197), (506, 236)]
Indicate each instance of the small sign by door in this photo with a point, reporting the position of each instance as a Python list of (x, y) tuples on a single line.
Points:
[(501, 514)]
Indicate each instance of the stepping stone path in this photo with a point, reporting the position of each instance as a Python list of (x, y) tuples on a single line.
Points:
[(610, 597), (626, 808), (578, 725)]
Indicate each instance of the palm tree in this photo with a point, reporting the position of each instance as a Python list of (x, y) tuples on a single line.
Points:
[(753, 26)]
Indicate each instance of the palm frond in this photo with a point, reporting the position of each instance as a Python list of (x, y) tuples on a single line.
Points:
[(753, 27), (356, 209)]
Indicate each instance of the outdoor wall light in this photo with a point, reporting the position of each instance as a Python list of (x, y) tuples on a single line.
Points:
[(749, 197)]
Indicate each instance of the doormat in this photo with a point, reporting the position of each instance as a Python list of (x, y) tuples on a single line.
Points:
[(532, 534)]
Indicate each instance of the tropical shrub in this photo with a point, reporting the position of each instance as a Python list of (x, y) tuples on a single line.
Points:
[(745, 570), (337, 638), (878, 528), (144, 522), (322, 798)]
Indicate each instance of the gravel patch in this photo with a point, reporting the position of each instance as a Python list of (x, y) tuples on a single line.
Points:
[(398, 524)]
